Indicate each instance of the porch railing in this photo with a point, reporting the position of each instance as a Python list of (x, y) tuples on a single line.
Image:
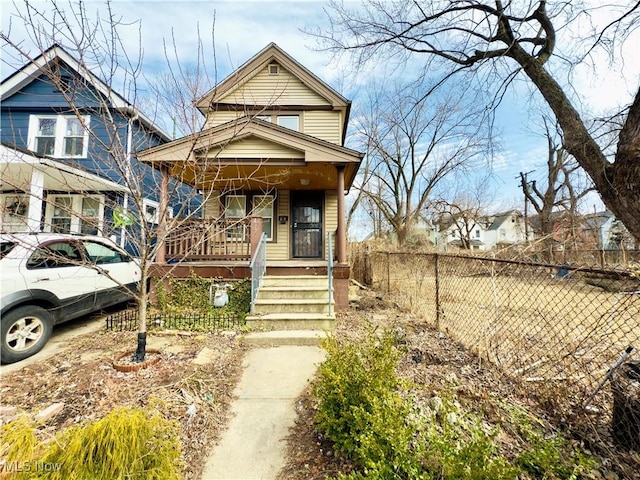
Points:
[(330, 268), (206, 239), (258, 267)]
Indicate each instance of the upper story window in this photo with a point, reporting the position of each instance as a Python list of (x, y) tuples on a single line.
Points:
[(288, 121), (291, 122), (59, 135)]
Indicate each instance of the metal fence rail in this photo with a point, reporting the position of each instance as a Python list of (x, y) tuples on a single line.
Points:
[(258, 267), (553, 327), (127, 321)]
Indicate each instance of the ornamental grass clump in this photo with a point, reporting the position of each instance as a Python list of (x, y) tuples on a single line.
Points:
[(129, 443)]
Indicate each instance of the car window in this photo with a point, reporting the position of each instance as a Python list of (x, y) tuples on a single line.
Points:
[(55, 255), (6, 247), (101, 254)]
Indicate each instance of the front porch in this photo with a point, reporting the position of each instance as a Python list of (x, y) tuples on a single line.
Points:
[(220, 248)]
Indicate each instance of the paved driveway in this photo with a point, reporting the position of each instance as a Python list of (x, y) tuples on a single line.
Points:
[(58, 341)]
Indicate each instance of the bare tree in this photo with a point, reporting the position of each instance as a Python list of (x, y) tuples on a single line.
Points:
[(108, 66), (414, 140), (511, 39), (560, 193)]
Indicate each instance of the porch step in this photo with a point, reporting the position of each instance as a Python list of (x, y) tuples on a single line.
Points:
[(292, 321), (304, 292), (298, 338), (296, 281), (293, 305)]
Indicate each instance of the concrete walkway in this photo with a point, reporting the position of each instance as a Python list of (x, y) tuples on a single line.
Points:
[(253, 446)]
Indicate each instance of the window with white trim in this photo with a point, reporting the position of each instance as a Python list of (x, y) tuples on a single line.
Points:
[(75, 214), (235, 210), (292, 122), (60, 136), (15, 211), (263, 207)]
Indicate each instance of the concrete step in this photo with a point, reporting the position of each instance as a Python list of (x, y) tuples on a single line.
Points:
[(295, 281), (288, 305), (297, 338), (292, 321), (312, 292)]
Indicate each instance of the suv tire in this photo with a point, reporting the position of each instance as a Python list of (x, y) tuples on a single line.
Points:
[(24, 331)]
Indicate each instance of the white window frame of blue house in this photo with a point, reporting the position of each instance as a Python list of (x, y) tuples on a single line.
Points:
[(61, 134), (76, 212)]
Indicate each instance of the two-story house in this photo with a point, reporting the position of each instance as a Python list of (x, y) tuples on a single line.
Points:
[(68, 152), (271, 159)]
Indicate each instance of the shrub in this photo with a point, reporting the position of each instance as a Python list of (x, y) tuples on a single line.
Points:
[(353, 379), (129, 443), (549, 456)]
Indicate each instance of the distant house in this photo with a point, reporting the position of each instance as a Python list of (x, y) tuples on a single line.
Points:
[(486, 232), (463, 232), (59, 160), (270, 160), (504, 229)]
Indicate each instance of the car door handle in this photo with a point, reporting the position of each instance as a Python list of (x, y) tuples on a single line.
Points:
[(43, 279)]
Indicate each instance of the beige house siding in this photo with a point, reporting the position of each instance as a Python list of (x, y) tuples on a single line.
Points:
[(215, 118), (279, 250), (254, 147), (326, 125), (212, 208), (330, 218), (281, 89)]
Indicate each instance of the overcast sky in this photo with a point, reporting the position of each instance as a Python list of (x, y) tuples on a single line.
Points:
[(242, 28)]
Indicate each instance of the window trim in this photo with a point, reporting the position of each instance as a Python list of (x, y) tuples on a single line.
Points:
[(272, 236), (60, 134), (14, 222), (76, 213)]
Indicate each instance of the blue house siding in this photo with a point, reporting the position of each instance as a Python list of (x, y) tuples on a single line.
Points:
[(108, 137)]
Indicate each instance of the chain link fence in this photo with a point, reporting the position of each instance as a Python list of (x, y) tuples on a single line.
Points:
[(557, 329)]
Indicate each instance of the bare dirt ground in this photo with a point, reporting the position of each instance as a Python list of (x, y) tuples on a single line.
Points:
[(434, 362), (199, 370), (203, 369)]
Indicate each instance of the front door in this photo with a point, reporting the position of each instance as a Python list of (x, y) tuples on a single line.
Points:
[(307, 224)]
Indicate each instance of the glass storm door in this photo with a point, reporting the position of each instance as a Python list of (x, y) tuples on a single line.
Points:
[(307, 225)]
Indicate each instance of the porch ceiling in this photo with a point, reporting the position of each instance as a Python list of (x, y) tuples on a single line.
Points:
[(16, 170), (256, 175)]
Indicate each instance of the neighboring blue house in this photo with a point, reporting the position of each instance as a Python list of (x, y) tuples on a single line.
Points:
[(76, 120)]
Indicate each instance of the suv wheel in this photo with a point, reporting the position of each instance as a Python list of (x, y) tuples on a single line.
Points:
[(24, 331)]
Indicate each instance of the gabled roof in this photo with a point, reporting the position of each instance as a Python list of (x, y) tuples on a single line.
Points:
[(33, 69), (198, 145), (244, 127), (254, 65)]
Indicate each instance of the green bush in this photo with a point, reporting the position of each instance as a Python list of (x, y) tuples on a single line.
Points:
[(352, 380), (363, 410)]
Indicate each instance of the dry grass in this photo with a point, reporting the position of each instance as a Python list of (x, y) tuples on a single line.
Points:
[(83, 378), (560, 333)]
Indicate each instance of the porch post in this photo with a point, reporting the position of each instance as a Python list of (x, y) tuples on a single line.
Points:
[(36, 194), (341, 234), (162, 221), (255, 232)]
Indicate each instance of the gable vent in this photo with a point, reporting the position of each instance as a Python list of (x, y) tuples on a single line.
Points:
[(274, 69)]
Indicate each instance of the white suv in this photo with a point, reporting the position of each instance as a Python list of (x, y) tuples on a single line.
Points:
[(49, 278)]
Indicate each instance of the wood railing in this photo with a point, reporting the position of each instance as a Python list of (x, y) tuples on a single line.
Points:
[(210, 239)]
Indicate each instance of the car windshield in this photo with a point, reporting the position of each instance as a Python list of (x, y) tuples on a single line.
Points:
[(6, 247)]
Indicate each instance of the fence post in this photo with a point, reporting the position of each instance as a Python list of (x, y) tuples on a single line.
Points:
[(388, 273), (437, 272)]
